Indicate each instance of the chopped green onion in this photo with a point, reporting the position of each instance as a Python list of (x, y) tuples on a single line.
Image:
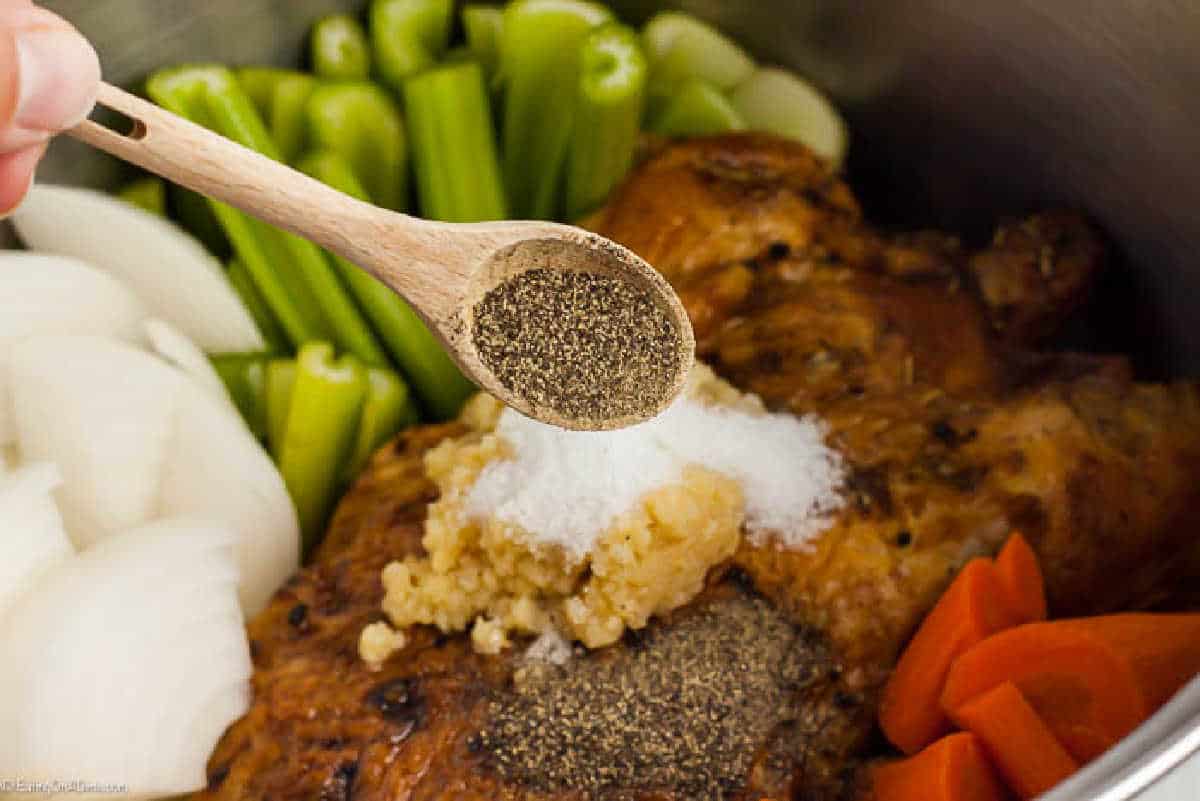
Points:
[(243, 285), (436, 380), (245, 376), (539, 65), (781, 103), (281, 376), (698, 109), (339, 49), (681, 47), (408, 36), (148, 194), (449, 117), (297, 281), (483, 27), (612, 85), (362, 122), (384, 413), (322, 422)]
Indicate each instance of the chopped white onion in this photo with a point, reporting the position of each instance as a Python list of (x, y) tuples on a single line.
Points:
[(126, 663), (32, 538), (167, 268), (216, 469), (103, 411), (175, 348)]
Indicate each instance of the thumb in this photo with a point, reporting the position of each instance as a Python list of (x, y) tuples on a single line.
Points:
[(48, 76)]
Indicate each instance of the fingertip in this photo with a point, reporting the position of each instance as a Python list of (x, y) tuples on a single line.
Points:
[(16, 176)]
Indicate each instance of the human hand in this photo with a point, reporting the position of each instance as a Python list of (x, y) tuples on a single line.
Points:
[(48, 79)]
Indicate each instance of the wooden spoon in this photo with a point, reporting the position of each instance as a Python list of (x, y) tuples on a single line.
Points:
[(441, 269)]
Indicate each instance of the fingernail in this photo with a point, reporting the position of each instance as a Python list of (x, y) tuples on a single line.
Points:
[(59, 74)]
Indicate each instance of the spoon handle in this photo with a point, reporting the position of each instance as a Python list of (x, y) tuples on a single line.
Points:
[(195, 157)]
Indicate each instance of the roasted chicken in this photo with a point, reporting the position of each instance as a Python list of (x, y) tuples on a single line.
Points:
[(925, 361)]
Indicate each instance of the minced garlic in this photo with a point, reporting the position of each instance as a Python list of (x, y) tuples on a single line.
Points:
[(630, 548)]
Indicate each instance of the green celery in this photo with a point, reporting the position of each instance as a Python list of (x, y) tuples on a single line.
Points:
[(281, 97), (436, 380), (363, 123), (339, 49), (319, 436), (408, 36), (243, 285), (698, 109), (681, 47), (782, 103), (194, 213), (295, 278), (539, 64), (384, 413), (245, 376), (612, 91), (148, 194), (450, 121), (482, 26), (281, 377)]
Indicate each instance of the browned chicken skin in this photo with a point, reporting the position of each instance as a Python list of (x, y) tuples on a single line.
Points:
[(919, 357)]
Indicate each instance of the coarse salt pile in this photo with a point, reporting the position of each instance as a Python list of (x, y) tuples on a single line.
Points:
[(566, 488)]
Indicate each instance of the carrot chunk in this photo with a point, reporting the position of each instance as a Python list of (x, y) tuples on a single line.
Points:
[(1021, 579), (1021, 746), (952, 769), (972, 608), (1091, 680)]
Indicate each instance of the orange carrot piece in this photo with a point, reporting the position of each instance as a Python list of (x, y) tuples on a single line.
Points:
[(971, 609), (952, 769), (1021, 579), (1021, 746), (1092, 680)]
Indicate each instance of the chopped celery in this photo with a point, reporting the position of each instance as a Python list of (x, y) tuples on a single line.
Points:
[(196, 216), (482, 26), (698, 109), (339, 50), (384, 413), (245, 376), (681, 47), (408, 36), (779, 102), (148, 194), (243, 285), (450, 121), (539, 65), (294, 277), (318, 438), (281, 375), (612, 85), (280, 97), (362, 122), (436, 380)]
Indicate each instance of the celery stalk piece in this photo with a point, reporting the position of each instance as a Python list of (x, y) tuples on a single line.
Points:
[(245, 376), (322, 422), (539, 65), (436, 380), (681, 47), (281, 97), (194, 213), (612, 86), (454, 148), (408, 36), (293, 275), (383, 414), (243, 285), (779, 102), (281, 376), (698, 109), (259, 85), (363, 124), (148, 194), (483, 27), (339, 50)]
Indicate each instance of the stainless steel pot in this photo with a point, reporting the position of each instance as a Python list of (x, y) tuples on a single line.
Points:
[(961, 110)]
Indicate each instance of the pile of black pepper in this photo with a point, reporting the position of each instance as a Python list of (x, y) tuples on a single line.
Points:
[(683, 709), (589, 346)]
